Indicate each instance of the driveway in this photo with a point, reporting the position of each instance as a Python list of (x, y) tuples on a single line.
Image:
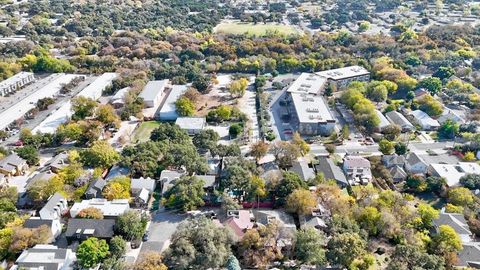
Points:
[(161, 229)]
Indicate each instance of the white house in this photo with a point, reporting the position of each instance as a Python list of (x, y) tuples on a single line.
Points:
[(45, 257), (400, 120), (424, 120), (54, 208), (153, 92), (414, 164), (109, 209), (193, 125), (453, 172)]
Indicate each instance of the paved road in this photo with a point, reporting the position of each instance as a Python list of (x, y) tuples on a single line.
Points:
[(161, 229)]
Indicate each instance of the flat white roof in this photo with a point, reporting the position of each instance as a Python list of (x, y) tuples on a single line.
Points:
[(95, 89), (15, 78), (191, 122), (108, 208), (152, 89), (58, 117), (311, 109), (453, 172), (307, 83), (23, 106), (173, 96), (344, 73)]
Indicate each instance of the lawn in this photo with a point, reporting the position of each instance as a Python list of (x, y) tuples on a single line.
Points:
[(238, 28), (142, 133)]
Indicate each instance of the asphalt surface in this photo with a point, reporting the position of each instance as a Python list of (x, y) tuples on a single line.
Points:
[(161, 229)]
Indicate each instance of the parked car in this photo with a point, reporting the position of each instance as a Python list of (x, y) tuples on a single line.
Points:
[(145, 237)]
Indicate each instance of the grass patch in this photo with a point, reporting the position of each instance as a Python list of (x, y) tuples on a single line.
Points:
[(142, 133), (238, 28)]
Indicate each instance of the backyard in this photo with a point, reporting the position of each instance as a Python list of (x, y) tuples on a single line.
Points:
[(142, 133)]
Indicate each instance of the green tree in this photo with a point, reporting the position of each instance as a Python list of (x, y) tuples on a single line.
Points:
[(309, 246), (131, 225), (232, 263), (186, 194), (471, 181), (344, 248), (448, 130), (235, 130), (378, 93), (406, 257), (107, 115), (238, 87), (345, 132), (118, 247), (430, 105), (446, 241), (460, 196), (199, 244), (427, 214), (29, 153), (100, 154), (444, 73), (285, 153), (169, 132), (300, 143), (290, 182), (431, 84), (206, 139), (91, 252), (370, 219), (185, 107), (401, 148), (386, 147), (83, 107)]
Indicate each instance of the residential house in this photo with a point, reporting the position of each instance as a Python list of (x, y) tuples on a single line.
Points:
[(383, 121), (393, 161), (420, 92), (118, 100), (141, 189), (209, 182), (13, 165), (168, 178), (46, 257), (192, 125), (238, 222), (95, 188), (109, 209), (399, 120), (457, 222), (142, 198), (153, 92), (453, 172), (398, 174), (331, 171), (318, 218), (168, 111), (58, 162), (303, 168), (424, 120), (414, 164), (79, 229), (53, 224), (55, 208), (41, 176), (453, 115), (357, 170), (469, 256)]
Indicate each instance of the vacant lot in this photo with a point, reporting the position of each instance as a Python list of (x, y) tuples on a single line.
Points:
[(142, 133), (238, 28)]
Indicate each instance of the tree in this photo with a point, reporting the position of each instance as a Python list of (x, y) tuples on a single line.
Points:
[(24, 238), (236, 179), (300, 143), (184, 107), (460, 196), (228, 203), (386, 147), (470, 181), (117, 188), (469, 156), (91, 252), (106, 114), (448, 130), (430, 105), (401, 148), (238, 87), (131, 225), (186, 194), (345, 132), (44, 103), (118, 246), (444, 73), (370, 219), (83, 107), (206, 139), (378, 93), (344, 248), (235, 129), (431, 84), (309, 246), (285, 153), (29, 153), (199, 244), (202, 84), (392, 132), (427, 214), (301, 202), (406, 257), (446, 241), (232, 263), (100, 154), (290, 182), (364, 26), (169, 132), (259, 150), (150, 261), (90, 213), (416, 183)]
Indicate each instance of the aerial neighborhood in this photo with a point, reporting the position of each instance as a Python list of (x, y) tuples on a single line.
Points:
[(229, 134)]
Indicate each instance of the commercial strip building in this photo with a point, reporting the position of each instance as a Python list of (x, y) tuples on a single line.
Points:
[(341, 77), (19, 109), (64, 112), (15, 82)]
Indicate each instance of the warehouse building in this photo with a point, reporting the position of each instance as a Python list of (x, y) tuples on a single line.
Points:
[(15, 82)]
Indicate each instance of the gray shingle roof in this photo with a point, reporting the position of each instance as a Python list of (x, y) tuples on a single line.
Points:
[(96, 186), (412, 158), (103, 228), (330, 170), (456, 221), (469, 255), (52, 202), (33, 223)]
